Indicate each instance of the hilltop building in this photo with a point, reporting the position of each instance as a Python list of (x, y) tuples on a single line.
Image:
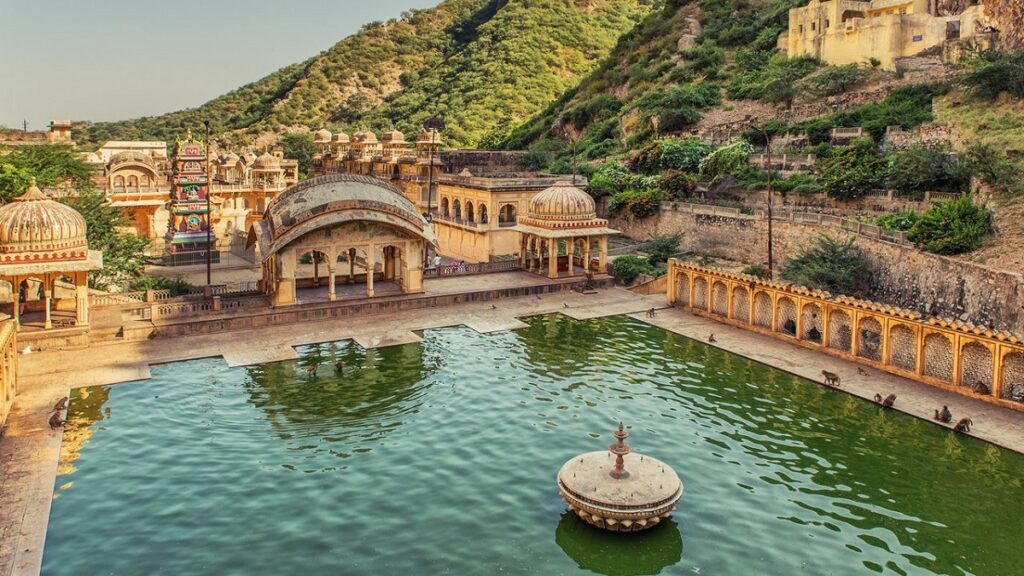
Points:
[(855, 31), (59, 132)]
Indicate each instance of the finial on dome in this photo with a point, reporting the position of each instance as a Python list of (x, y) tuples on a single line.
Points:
[(33, 192), (188, 134)]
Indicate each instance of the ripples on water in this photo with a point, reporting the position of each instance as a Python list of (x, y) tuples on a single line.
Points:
[(440, 457)]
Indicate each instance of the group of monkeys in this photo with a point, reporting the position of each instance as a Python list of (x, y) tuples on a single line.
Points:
[(944, 415), (55, 419)]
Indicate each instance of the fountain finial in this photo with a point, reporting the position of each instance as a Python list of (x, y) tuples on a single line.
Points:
[(620, 449)]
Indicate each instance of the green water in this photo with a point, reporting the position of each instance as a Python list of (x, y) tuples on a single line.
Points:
[(440, 457)]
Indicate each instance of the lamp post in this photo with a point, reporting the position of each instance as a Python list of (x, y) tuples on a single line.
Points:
[(565, 129), (768, 168), (433, 126), (209, 213)]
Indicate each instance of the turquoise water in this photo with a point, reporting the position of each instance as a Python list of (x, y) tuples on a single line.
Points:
[(440, 457)]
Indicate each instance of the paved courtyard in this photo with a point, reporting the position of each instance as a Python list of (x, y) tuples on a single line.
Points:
[(29, 450)]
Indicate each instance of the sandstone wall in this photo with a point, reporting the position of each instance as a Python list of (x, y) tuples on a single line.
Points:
[(901, 275)]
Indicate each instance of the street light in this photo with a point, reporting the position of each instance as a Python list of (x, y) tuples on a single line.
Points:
[(434, 125), (768, 168), (209, 213)]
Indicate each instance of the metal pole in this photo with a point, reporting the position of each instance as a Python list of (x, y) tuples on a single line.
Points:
[(430, 195), (768, 150), (209, 213)]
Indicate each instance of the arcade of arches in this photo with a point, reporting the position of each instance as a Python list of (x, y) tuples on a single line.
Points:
[(351, 228)]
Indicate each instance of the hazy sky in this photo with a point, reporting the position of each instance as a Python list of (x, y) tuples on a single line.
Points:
[(114, 59)]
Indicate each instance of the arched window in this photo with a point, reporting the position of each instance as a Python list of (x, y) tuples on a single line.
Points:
[(507, 215), (457, 209), (119, 181), (483, 214), (444, 207), (469, 212)]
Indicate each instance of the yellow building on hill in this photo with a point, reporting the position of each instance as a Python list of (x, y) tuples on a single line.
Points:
[(854, 31)]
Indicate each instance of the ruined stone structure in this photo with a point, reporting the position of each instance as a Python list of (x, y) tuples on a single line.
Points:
[(854, 31), (8, 368), (59, 132), (953, 355)]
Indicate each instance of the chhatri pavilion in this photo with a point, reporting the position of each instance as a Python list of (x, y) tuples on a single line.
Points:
[(561, 233), (45, 259), (357, 227)]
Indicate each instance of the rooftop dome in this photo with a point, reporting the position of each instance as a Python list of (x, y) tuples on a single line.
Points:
[(322, 136), (562, 202), (231, 158), (267, 161), (340, 138), (393, 137), (35, 228)]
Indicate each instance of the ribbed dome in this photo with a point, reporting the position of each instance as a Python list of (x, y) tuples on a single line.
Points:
[(267, 161), (34, 227), (340, 138), (562, 202), (322, 136)]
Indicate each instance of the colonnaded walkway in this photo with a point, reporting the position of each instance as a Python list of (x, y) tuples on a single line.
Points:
[(29, 450)]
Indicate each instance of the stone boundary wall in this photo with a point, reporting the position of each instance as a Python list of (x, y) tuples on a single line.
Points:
[(955, 356), (901, 275)]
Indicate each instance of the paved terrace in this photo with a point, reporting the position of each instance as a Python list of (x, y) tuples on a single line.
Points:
[(29, 451)]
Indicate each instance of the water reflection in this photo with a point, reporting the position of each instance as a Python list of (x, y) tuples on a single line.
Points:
[(341, 392), (85, 408), (617, 554)]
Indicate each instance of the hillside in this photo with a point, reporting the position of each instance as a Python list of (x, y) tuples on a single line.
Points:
[(476, 62)]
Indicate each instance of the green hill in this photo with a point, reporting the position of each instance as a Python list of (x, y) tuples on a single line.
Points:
[(478, 63)]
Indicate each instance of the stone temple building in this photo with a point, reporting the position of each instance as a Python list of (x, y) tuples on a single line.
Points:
[(354, 229), (854, 31), (45, 260)]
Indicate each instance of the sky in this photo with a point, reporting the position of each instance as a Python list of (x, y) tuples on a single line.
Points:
[(114, 59)]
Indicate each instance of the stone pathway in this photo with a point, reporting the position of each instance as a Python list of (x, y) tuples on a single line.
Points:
[(29, 450)]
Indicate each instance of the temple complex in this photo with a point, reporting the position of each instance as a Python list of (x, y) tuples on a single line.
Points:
[(355, 227), (189, 237), (856, 31), (45, 260)]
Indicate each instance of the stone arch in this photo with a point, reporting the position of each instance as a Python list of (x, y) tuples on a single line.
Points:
[(741, 303), (507, 214), (700, 293), (903, 347), (444, 206), (840, 332), (786, 318), (938, 357), (457, 209), (133, 181), (720, 299), (812, 322), (1013, 377), (869, 343), (763, 309), (976, 366), (470, 215), (683, 289), (119, 181), (483, 213)]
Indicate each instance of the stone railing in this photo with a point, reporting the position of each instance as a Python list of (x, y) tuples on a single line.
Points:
[(956, 356), (539, 182), (180, 309), (471, 269), (132, 299)]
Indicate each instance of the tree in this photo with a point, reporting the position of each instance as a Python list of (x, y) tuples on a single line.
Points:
[(853, 171), (52, 165), (724, 161), (626, 269), (838, 79), (123, 259), (927, 167), (662, 247), (299, 146), (837, 266), (995, 72)]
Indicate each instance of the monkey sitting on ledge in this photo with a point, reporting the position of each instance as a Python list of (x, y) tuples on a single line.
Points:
[(56, 421), (964, 425), (980, 388), (944, 415), (887, 402), (831, 378)]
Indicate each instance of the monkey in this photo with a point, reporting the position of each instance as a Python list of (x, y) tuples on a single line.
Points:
[(339, 367), (964, 425), (565, 304), (312, 368), (711, 338), (538, 297), (831, 378), (862, 371), (61, 404), (980, 388), (944, 415), (493, 307), (56, 421), (887, 402)]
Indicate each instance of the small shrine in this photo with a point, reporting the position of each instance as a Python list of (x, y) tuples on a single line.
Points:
[(619, 490), (189, 237)]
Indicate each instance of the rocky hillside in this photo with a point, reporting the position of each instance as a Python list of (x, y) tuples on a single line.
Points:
[(1008, 16), (478, 63)]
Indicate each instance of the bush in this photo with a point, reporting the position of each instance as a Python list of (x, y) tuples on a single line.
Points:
[(724, 161), (952, 227), (662, 247), (683, 154), (829, 264), (626, 269), (609, 178), (757, 270), (994, 169), (898, 222), (852, 172), (927, 167), (802, 184), (838, 79), (177, 285), (640, 202), (678, 184), (995, 72)]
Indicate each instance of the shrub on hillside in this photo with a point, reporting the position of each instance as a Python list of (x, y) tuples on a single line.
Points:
[(837, 79), (662, 247), (683, 154), (898, 222), (830, 264), (678, 184), (724, 161), (994, 169), (993, 73), (609, 178), (800, 183), (952, 227), (853, 171), (642, 202), (926, 167)]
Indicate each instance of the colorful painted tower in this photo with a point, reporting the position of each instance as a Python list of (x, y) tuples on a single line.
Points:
[(188, 230)]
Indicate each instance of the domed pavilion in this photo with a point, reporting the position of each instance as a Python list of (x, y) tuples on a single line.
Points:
[(45, 260), (561, 233), (358, 228)]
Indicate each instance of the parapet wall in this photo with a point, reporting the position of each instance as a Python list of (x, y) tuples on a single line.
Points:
[(960, 357), (901, 275)]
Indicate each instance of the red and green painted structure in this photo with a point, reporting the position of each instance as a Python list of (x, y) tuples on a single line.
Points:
[(189, 236)]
